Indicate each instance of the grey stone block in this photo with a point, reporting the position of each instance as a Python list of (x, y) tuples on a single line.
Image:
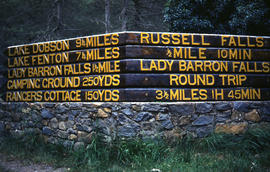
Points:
[(129, 130), (241, 106), (203, 120), (47, 131), (61, 109), (162, 117), (62, 134), (204, 108), (223, 106), (122, 119), (224, 116), (128, 112), (185, 109), (53, 123), (143, 116), (46, 114), (153, 108), (167, 124)]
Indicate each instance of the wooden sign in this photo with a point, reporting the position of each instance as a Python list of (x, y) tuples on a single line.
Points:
[(196, 53), (141, 38), (104, 40), (144, 52), (66, 69), (140, 81), (201, 40), (140, 94), (90, 55), (195, 66), (141, 66)]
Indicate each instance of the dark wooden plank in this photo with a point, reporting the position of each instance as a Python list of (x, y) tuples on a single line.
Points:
[(77, 95), (197, 53), (140, 38), (140, 95), (141, 66), (86, 42), (141, 80), (197, 40), (143, 52), (195, 80), (194, 66), (113, 66), (197, 94), (68, 57), (72, 82)]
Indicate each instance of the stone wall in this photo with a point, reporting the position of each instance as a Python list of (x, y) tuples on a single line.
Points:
[(75, 123)]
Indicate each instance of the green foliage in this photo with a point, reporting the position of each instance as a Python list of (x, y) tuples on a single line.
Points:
[(219, 16), (220, 152)]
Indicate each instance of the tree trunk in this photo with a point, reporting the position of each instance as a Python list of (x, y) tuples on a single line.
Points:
[(59, 14), (107, 15), (137, 17), (124, 15)]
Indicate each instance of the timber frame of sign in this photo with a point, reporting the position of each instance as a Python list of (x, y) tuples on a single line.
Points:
[(141, 66)]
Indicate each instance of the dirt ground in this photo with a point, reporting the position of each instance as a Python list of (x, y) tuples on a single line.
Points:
[(10, 164)]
